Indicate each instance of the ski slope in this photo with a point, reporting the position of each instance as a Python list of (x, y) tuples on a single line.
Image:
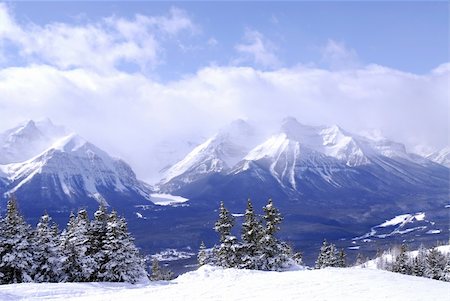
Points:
[(213, 283)]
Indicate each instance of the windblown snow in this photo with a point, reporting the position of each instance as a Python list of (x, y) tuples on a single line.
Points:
[(213, 283)]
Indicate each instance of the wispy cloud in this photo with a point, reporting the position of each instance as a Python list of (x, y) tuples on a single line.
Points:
[(338, 56), (258, 49), (102, 45)]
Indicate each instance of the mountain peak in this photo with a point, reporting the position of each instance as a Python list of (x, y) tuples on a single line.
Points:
[(69, 143)]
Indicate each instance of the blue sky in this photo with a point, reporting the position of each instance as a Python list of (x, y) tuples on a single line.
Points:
[(408, 36), (145, 78)]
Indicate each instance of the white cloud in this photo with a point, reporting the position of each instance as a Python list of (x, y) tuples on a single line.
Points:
[(101, 46), (256, 48), (338, 56)]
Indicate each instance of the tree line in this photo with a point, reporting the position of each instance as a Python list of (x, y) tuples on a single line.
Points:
[(94, 250), (430, 263)]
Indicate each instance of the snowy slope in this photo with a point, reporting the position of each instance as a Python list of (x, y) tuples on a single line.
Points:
[(442, 157), (401, 224), (28, 140), (210, 283)]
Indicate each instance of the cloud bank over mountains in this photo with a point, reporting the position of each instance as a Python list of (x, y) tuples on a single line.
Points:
[(79, 75)]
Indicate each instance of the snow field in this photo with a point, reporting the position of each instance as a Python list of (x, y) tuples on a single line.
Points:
[(213, 283)]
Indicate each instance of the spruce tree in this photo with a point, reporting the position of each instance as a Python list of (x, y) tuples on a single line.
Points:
[(341, 259), (252, 235), (327, 256), (446, 272), (226, 252), (97, 238), (78, 264), (121, 261), (360, 260), (401, 264), (202, 258), (158, 273), (16, 259), (419, 262), (435, 264), (276, 253), (47, 256)]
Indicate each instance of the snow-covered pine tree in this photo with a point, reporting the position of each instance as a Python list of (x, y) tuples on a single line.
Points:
[(47, 256), (435, 264), (327, 256), (202, 258), (446, 272), (341, 259), (97, 237), (418, 262), (402, 263), (276, 254), (360, 260), (16, 259), (252, 236), (226, 252), (121, 259), (158, 273), (78, 265)]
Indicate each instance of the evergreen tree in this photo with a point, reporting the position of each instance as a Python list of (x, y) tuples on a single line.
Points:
[(298, 258), (446, 272), (360, 259), (158, 273), (202, 256), (419, 262), (47, 256), (435, 264), (121, 261), (341, 259), (78, 265), (97, 238), (252, 234), (276, 253), (16, 260), (226, 252), (327, 256), (401, 264)]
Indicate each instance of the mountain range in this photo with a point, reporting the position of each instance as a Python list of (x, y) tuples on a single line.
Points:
[(327, 181)]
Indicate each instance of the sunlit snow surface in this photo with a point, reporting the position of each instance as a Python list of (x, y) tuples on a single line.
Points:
[(210, 283)]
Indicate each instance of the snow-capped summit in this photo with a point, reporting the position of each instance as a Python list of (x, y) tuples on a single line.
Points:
[(215, 155), (28, 139), (74, 168), (47, 168), (441, 157)]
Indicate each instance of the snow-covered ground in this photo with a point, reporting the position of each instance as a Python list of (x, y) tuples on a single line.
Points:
[(164, 199), (212, 283)]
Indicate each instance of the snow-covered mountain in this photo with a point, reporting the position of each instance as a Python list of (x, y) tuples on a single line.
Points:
[(69, 173), (217, 154), (28, 140), (442, 156), (300, 158)]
